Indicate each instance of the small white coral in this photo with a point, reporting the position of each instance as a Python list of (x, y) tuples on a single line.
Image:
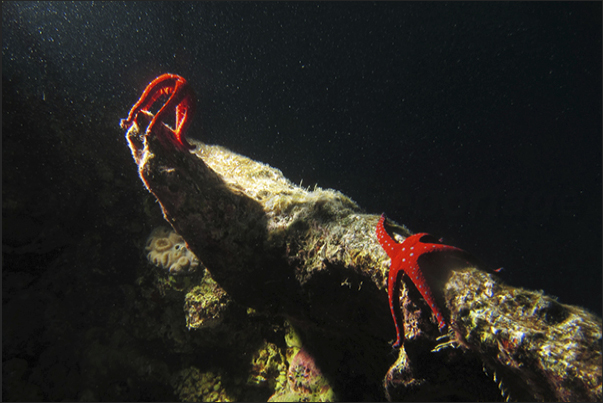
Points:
[(182, 264), (167, 250), (161, 244), (158, 234)]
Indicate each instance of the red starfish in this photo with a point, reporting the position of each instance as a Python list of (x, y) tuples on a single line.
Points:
[(404, 257), (181, 100)]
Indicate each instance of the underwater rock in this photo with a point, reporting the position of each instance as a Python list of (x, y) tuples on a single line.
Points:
[(268, 367), (302, 380), (530, 347), (313, 256), (305, 383), (205, 305), (192, 385), (305, 378), (534, 346)]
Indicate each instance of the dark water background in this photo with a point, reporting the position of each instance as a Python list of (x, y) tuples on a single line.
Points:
[(477, 122)]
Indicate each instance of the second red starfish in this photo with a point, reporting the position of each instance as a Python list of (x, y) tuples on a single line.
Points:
[(404, 259), (181, 100)]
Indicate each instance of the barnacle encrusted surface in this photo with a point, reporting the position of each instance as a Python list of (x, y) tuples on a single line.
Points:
[(540, 349), (167, 250)]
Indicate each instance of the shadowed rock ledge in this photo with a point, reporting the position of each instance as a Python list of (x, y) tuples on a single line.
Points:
[(312, 256)]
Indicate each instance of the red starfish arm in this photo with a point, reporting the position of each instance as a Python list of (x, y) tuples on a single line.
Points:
[(393, 292), (418, 248), (412, 269), (164, 84), (386, 241), (406, 259), (182, 101), (393, 250), (184, 112), (169, 106)]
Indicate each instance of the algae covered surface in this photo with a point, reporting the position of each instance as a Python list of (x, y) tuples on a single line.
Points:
[(322, 269)]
